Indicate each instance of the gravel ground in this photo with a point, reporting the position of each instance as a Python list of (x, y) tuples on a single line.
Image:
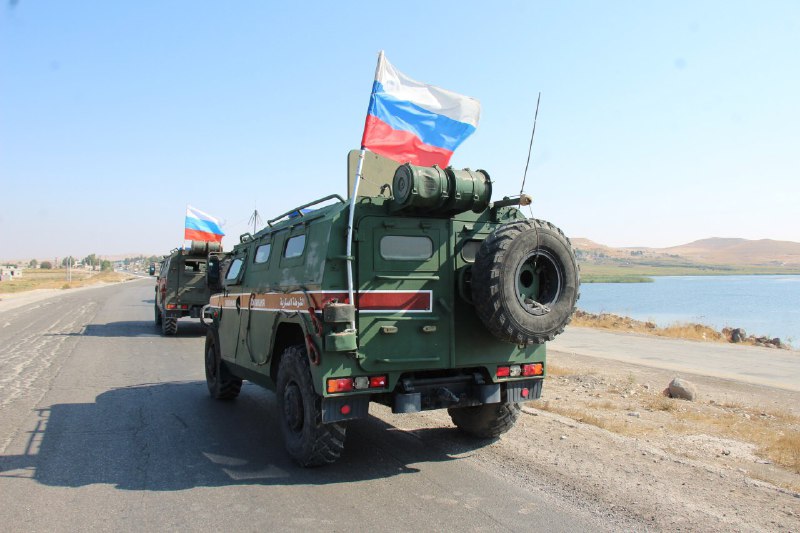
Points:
[(666, 464)]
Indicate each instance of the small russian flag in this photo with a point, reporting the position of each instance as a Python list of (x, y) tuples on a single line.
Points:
[(412, 122), (201, 226)]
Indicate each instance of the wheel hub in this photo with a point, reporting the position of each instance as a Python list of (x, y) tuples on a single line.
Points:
[(538, 282), (293, 407)]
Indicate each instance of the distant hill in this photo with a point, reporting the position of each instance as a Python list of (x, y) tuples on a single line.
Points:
[(739, 251), (712, 251)]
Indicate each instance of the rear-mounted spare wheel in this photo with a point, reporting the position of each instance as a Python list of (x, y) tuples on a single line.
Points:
[(525, 282)]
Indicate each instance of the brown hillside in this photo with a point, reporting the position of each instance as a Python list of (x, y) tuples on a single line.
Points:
[(713, 251), (739, 251)]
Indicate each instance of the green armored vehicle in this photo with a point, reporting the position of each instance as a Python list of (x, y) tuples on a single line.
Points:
[(181, 286), (453, 298)]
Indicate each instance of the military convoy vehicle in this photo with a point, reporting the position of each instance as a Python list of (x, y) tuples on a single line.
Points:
[(181, 286), (454, 297)]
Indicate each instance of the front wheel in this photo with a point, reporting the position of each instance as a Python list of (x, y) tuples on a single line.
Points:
[(307, 439), (487, 421)]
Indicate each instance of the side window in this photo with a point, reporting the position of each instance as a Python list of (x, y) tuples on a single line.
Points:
[(295, 246), (406, 247), (234, 270), (262, 253)]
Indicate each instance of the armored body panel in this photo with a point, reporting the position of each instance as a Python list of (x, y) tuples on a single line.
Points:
[(419, 332)]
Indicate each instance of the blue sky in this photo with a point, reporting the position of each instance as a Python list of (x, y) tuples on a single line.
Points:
[(660, 123)]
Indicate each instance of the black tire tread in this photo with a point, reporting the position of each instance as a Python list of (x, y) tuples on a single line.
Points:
[(326, 440), (169, 326), (487, 421)]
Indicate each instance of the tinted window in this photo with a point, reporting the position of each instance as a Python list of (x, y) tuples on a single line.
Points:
[(234, 269), (262, 253), (470, 250), (295, 246), (406, 247)]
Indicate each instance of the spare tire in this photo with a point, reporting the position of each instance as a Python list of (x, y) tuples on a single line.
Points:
[(525, 282)]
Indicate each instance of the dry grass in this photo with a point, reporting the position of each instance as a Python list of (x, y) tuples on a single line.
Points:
[(582, 415), (697, 332), (785, 450), (556, 371), (621, 323), (57, 279)]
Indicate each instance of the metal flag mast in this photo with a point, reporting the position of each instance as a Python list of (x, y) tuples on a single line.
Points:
[(351, 215)]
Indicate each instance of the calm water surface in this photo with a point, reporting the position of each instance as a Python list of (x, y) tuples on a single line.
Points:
[(762, 305)]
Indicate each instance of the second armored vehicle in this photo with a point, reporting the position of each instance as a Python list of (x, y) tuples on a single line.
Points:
[(181, 286)]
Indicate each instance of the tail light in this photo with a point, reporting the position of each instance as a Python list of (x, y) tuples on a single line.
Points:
[(357, 383)]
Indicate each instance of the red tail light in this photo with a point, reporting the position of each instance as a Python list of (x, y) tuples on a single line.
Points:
[(377, 382), (340, 385), (503, 371), (533, 369)]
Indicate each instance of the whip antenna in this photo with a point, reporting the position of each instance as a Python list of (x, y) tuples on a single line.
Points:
[(530, 149)]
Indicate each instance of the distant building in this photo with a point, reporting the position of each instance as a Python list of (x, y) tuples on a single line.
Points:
[(10, 272)]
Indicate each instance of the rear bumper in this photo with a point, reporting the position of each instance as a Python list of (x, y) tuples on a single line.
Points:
[(193, 310), (417, 395)]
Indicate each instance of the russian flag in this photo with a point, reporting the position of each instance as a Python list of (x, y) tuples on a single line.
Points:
[(412, 122), (201, 226)]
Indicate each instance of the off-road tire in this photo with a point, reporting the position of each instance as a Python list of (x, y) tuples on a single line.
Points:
[(525, 282), (169, 326), (222, 385), (308, 441), (158, 314), (487, 421)]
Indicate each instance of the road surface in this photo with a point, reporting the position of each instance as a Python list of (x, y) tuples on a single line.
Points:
[(750, 364), (106, 425)]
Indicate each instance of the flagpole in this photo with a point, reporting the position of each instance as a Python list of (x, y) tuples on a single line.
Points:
[(351, 215)]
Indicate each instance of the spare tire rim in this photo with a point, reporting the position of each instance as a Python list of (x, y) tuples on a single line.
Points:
[(538, 282)]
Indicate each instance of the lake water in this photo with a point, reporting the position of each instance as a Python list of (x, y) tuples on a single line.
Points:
[(762, 305)]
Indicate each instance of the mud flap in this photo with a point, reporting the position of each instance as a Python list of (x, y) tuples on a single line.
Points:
[(524, 391), (344, 408)]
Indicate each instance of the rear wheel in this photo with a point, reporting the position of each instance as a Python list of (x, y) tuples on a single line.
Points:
[(486, 421), (222, 385), (169, 326), (307, 439)]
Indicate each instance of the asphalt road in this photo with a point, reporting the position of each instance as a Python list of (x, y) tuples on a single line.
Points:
[(749, 364), (106, 425)]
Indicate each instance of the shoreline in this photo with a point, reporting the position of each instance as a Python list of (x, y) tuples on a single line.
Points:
[(677, 330)]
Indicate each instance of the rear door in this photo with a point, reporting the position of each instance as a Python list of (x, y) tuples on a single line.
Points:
[(404, 294)]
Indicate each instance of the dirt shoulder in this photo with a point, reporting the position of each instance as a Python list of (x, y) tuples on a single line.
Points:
[(604, 437), (14, 300)]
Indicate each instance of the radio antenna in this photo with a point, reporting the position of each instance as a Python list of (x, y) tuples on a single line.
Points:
[(255, 219), (530, 149)]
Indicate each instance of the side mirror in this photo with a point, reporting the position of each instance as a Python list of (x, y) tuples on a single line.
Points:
[(212, 272)]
